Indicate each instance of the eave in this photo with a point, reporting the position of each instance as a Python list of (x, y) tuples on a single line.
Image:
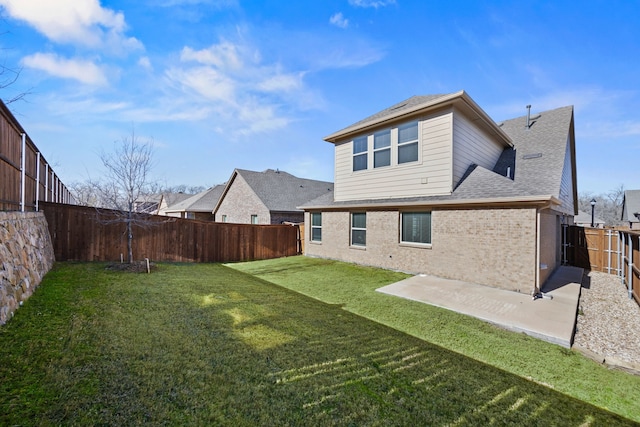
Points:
[(460, 100)]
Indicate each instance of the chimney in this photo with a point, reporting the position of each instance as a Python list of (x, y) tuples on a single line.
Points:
[(528, 116)]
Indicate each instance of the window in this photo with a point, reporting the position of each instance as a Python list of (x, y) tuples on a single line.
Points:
[(190, 215), (224, 218), (408, 143), (360, 153), (316, 227), (382, 148), (359, 229), (254, 219), (416, 227)]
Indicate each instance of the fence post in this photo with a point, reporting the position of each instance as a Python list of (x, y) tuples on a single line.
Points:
[(37, 179), (630, 271), (23, 156)]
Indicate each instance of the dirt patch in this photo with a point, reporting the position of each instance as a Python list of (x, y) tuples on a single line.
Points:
[(134, 267)]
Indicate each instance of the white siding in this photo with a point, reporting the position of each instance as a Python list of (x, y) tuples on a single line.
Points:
[(434, 166), (472, 146)]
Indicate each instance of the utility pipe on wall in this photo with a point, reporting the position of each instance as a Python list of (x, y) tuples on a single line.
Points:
[(23, 156)]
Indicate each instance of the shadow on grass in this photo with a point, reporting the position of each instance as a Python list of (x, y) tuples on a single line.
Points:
[(211, 345)]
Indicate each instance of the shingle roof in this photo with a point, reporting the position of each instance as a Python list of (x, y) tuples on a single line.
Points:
[(173, 198), (540, 149), (631, 205), (535, 163), (283, 192), (407, 104), (585, 218), (204, 201)]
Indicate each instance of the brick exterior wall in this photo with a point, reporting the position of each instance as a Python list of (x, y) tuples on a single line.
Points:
[(240, 203), (494, 247)]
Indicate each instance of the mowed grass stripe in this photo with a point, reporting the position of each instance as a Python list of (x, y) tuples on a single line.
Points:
[(209, 345)]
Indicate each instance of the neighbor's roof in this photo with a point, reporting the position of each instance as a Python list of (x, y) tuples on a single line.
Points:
[(585, 218), (204, 201), (419, 105), (535, 162), (631, 206), (173, 198), (280, 191)]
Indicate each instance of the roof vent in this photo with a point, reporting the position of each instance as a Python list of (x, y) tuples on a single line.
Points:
[(531, 156), (397, 107), (528, 116)]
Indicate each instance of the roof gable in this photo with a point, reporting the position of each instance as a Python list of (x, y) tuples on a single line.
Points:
[(631, 206), (280, 191), (204, 201), (420, 105)]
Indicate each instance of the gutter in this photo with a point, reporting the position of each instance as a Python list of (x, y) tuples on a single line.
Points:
[(543, 202)]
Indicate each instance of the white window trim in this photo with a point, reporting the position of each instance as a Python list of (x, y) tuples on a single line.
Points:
[(413, 141), (315, 226), (414, 244), (393, 147), (352, 228)]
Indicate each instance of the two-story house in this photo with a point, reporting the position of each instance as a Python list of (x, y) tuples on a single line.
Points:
[(433, 185)]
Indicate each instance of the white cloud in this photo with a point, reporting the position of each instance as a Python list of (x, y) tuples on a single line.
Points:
[(76, 69), (249, 95), (145, 63), (371, 3), (78, 22), (225, 55), (339, 20)]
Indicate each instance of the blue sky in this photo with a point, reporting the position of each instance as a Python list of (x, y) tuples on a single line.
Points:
[(224, 84)]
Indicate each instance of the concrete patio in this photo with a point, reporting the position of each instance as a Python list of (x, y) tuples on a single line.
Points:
[(550, 319)]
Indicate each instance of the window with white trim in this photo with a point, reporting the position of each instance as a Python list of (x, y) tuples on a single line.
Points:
[(316, 226), (382, 148), (415, 227), (224, 218), (408, 142), (254, 219), (360, 152), (359, 229)]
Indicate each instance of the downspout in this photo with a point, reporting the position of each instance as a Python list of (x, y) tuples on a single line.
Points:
[(23, 156), (538, 229)]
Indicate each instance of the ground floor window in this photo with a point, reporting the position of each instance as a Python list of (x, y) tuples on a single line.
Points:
[(224, 218), (359, 229), (415, 227), (316, 227), (254, 219)]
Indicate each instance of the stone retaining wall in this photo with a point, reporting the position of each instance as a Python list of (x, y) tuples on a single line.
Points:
[(26, 255)]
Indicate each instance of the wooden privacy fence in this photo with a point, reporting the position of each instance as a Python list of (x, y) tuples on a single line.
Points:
[(26, 178), (607, 250), (89, 234)]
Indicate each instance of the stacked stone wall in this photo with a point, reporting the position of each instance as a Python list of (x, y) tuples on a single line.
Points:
[(26, 255)]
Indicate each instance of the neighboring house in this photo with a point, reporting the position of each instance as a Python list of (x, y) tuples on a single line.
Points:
[(147, 203), (433, 185), (268, 197), (583, 219), (198, 206), (631, 209), (170, 199)]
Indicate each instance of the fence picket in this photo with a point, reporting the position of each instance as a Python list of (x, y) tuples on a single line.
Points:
[(87, 234)]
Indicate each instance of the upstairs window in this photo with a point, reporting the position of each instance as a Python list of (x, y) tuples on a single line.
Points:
[(316, 227), (382, 148), (408, 142), (359, 229), (360, 153)]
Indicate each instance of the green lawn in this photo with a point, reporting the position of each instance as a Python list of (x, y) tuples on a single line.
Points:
[(210, 345)]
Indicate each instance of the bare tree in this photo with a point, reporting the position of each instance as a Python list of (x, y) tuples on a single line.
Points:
[(608, 206), (127, 180)]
